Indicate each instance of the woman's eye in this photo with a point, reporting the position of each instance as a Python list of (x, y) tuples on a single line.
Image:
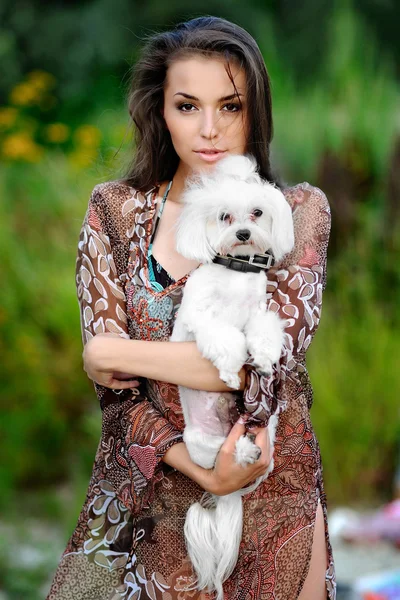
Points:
[(185, 104), (187, 107), (225, 217), (233, 107), (257, 212)]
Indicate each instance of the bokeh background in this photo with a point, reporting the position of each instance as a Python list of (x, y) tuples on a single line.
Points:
[(64, 127)]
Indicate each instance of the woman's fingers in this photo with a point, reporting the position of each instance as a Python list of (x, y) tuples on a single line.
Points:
[(228, 475), (235, 433), (262, 441)]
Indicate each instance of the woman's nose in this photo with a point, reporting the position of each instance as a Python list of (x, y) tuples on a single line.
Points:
[(209, 124)]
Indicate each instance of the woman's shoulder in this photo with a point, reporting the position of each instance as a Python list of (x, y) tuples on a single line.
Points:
[(306, 195), (119, 195), (116, 205), (311, 221)]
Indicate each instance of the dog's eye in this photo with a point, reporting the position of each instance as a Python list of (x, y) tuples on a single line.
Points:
[(257, 212), (225, 217)]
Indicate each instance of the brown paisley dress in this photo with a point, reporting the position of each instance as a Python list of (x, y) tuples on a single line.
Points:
[(128, 543)]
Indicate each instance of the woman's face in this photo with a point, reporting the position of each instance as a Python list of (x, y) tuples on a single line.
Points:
[(202, 111)]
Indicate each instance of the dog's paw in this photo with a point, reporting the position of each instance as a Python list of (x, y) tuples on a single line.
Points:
[(246, 451), (265, 369), (225, 346), (232, 380), (264, 361)]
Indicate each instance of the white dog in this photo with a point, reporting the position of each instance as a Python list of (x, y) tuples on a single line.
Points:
[(230, 211)]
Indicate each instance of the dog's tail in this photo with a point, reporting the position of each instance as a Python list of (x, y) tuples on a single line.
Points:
[(229, 523), (200, 535)]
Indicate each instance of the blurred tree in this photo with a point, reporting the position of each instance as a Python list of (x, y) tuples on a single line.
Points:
[(90, 45), (384, 17)]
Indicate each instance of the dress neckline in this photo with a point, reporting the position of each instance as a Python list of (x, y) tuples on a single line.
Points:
[(149, 235), (152, 263)]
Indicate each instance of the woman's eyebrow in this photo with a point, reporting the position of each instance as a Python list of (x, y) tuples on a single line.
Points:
[(189, 97)]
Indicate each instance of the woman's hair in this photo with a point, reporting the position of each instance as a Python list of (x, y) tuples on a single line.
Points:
[(155, 159)]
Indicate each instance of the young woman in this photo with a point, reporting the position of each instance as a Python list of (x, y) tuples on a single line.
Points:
[(199, 92)]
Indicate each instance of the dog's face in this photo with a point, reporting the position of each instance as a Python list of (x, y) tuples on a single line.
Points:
[(226, 214), (240, 218)]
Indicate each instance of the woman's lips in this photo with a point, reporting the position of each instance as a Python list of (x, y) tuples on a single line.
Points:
[(211, 156)]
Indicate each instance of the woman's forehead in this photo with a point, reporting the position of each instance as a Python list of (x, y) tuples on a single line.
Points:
[(201, 77)]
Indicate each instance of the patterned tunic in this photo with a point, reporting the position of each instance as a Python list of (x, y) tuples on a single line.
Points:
[(128, 543)]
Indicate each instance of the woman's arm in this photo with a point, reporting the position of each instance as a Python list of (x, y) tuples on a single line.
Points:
[(135, 436), (296, 296), (226, 476), (175, 362)]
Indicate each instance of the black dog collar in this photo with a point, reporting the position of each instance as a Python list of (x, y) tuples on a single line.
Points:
[(246, 264)]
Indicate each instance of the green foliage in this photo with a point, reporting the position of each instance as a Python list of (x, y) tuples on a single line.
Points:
[(30, 129), (354, 101), (353, 364), (43, 400)]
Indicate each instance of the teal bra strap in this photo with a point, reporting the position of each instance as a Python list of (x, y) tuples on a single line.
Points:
[(160, 212), (154, 284)]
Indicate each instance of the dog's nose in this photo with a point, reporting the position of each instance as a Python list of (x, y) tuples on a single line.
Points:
[(243, 234)]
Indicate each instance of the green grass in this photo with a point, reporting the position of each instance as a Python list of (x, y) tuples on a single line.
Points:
[(353, 364)]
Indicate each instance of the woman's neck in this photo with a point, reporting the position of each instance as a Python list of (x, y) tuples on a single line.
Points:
[(178, 184)]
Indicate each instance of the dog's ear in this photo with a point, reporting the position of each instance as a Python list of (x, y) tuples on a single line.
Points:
[(191, 232), (282, 233)]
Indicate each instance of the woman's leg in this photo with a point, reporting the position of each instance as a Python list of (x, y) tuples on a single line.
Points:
[(314, 587)]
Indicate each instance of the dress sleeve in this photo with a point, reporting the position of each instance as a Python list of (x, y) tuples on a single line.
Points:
[(294, 292), (135, 436)]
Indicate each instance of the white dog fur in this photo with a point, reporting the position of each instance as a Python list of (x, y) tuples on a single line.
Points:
[(225, 312)]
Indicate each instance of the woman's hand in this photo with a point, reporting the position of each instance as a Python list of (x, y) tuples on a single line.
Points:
[(227, 476), (95, 364)]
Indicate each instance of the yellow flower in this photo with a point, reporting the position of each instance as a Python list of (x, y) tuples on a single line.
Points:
[(33, 89), (41, 80), (87, 135), (21, 146), (57, 132), (8, 116), (24, 94)]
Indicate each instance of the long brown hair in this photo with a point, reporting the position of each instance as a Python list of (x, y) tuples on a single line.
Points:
[(155, 159)]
